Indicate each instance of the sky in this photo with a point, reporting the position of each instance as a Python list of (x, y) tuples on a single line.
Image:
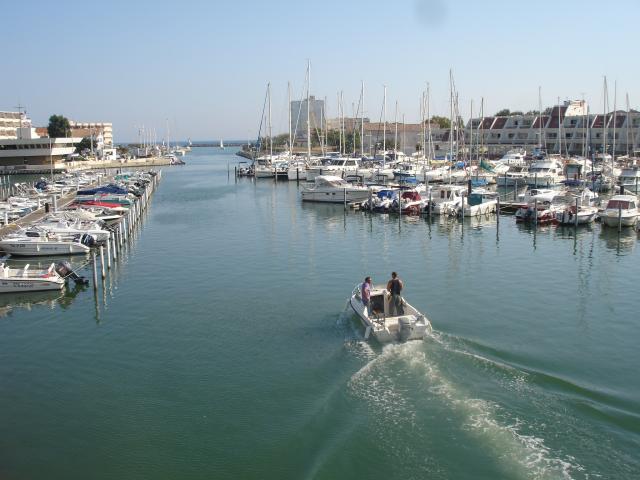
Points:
[(202, 67)]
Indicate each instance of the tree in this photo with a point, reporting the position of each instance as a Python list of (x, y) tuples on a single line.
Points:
[(85, 144), (517, 112), (505, 112), (533, 112), (58, 127), (443, 122)]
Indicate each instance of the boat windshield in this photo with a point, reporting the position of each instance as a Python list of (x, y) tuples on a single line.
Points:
[(622, 204)]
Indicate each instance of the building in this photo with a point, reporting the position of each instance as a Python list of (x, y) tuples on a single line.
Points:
[(101, 130), (568, 129), (31, 153), (9, 123), (349, 123), (298, 110)]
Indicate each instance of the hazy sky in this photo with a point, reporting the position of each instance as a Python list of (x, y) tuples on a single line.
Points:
[(204, 65)]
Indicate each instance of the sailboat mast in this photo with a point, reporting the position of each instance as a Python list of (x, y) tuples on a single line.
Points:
[(628, 125), (270, 137), (384, 127), (540, 118), (429, 120), (450, 118), (308, 111), (289, 105), (615, 118), (362, 122), (559, 131), (395, 137)]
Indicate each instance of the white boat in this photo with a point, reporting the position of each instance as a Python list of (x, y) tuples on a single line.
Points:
[(39, 244), (28, 280), (445, 199), (297, 170), (580, 211), (331, 189), (410, 325), (514, 158), (542, 205), (545, 172), (621, 210), (62, 227), (517, 174), (340, 167), (480, 202), (221, 144), (630, 178)]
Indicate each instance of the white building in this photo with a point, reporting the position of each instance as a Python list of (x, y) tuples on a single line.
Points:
[(9, 123), (31, 153)]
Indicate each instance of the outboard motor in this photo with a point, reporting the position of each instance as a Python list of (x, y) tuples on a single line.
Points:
[(88, 240), (65, 270), (405, 328)]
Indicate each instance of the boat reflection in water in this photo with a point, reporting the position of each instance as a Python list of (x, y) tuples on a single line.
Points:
[(49, 299), (623, 242)]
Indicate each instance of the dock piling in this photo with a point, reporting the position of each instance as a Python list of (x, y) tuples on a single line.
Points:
[(102, 272), (576, 219), (95, 270), (619, 217)]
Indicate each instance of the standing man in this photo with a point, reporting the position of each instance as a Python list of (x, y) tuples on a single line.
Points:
[(394, 286), (365, 293)]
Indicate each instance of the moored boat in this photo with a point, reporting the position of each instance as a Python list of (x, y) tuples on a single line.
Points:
[(330, 189), (621, 210), (29, 280)]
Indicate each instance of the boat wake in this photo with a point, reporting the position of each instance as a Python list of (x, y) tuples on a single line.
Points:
[(407, 385)]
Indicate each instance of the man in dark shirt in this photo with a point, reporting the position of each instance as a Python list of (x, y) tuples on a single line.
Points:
[(394, 286), (365, 292)]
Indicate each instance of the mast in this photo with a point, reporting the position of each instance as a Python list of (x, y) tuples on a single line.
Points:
[(559, 130), (615, 118), (395, 136), (540, 119), (471, 137), (270, 137), (308, 112), (605, 94), (423, 125), (450, 119), (627, 122), (384, 128), (481, 128), (362, 122), (339, 124), (404, 135), (429, 120), (289, 105)]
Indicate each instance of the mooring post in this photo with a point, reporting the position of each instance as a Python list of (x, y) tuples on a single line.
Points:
[(576, 219), (109, 252), (535, 211), (619, 217), (95, 270), (103, 273)]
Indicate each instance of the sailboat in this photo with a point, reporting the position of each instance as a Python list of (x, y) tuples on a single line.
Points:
[(221, 144)]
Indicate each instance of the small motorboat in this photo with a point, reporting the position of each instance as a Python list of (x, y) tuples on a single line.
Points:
[(38, 243), (410, 325), (29, 280), (621, 210), (330, 189)]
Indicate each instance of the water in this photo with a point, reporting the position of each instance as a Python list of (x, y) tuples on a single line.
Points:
[(221, 348)]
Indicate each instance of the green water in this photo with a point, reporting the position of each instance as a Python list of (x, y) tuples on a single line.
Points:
[(220, 347)]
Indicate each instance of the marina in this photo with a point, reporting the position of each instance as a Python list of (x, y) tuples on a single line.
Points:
[(501, 366), (244, 240)]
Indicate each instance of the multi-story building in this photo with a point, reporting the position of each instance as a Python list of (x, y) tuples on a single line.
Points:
[(299, 116), (95, 129), (9, 123), (28, 152), (568, 129)]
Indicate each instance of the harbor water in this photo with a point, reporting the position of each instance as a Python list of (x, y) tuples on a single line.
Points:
[(221, 347)]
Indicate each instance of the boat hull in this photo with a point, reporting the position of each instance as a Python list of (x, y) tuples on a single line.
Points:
[(16, 285), (388, 331), (41, 249)]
